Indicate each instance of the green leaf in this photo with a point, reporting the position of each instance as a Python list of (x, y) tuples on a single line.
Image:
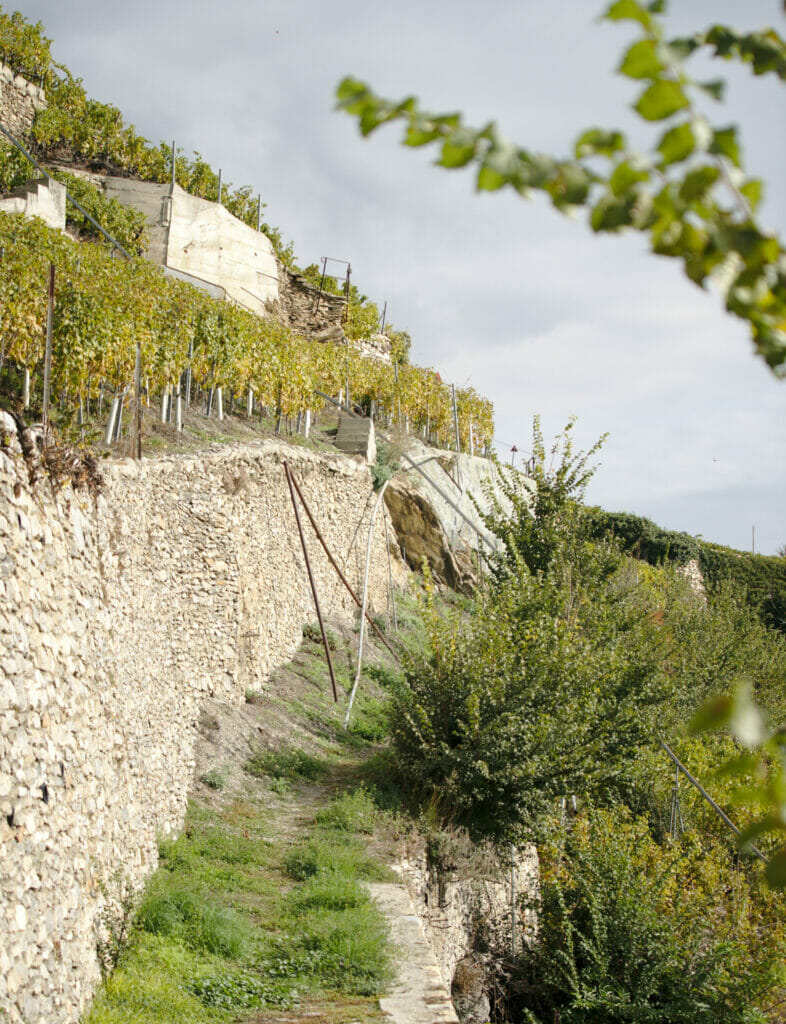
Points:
[(660, 100), (713, 715), (600, 142), (775, 871), (714, 88), (500, 166), (683, 47), (724, 143), (628, 10), (490, 180), (612, 214), (641, 60), (420, 132), (697, 182), (624, 176), (753, 190), (458, 150), (677, 144), (351, 91)]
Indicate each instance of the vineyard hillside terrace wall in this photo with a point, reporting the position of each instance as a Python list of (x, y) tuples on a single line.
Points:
[(120, 615), (19, 101)]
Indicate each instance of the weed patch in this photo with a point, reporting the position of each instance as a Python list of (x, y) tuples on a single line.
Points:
[(350, 812), (287, 764), (175, 908)]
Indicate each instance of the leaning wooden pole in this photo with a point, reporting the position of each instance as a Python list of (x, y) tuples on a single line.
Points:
[(288, 473), (335, 565)]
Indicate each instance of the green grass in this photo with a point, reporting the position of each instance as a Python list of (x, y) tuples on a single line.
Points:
[(287, 764), (173, 906), (222, 931), (350, 812), (344, 855)]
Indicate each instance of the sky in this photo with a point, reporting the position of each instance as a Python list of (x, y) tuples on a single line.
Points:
[(525, 305)]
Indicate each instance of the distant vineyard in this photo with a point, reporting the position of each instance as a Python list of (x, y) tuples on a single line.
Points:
[(104, 305), (75, 127)]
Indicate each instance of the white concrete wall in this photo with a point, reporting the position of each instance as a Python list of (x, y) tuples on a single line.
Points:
[(39, 198), (205, 240)]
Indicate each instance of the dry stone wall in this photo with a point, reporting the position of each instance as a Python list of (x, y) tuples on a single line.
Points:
[(307, 310), (119, 616), (467, 913), (19, 101)]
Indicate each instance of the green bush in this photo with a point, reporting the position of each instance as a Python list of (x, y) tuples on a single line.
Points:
[(631, 932), (761, 578), (641, 537)]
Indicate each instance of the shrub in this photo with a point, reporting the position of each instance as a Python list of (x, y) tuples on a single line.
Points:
[(216, 778), (287, 764), (632, 932)]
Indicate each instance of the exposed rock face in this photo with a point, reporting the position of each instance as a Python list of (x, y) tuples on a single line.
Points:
[(693, 575), (469, 990), (120, 616), (302, 307), (421, 535)]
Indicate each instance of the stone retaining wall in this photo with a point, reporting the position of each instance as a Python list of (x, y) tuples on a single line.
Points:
[(302, 307), (19, 101), (119, 616)]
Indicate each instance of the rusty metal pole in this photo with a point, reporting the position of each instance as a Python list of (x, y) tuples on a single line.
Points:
[(333, 562), (50, 310), (288, 473)]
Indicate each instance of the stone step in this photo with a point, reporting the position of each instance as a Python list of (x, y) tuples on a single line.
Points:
[(356, 437)]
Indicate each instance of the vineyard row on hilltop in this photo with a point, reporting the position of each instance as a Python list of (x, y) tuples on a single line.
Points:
[(103, 306)]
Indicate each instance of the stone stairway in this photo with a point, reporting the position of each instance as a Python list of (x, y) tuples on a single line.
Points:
[(356, 437), (419, 995)]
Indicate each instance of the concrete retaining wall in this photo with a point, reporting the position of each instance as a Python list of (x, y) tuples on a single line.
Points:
[(44, 198), (119, 617)]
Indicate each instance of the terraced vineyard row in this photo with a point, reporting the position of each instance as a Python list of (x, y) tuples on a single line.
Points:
[(104, 305)]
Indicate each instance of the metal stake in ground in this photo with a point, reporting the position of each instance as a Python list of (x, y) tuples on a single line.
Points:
[(377, 503), (512, 900), (138, 402), (50, 310), (288, 473)]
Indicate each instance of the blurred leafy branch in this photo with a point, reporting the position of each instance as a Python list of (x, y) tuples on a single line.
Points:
[(689, 194), (761, 756)]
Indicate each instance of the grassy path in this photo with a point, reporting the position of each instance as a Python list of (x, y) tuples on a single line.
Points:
[(260, 910)]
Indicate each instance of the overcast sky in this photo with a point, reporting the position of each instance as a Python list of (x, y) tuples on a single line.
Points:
[(509, 296)]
